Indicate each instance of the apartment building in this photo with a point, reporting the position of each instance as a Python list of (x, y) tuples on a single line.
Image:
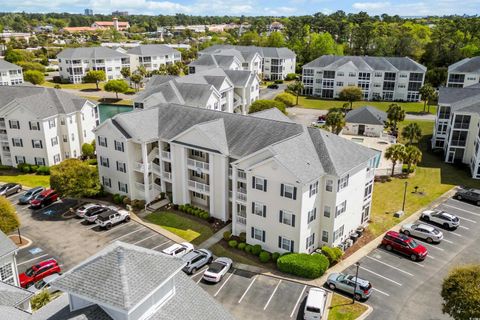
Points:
[(380, 78), (10, 74), (270, 63), (152, 56), (43, 126), (464, 73), (456, 129), (8, 263), (288, 187), (74, 63), (216, 89)]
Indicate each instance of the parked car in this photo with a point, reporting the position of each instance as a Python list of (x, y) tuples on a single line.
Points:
[(92, 215), (217, 269), (346, 283), (404, 244), (315, 304), (30, 194), (111, 217), (470, 195), (9, 189), (44, 198), (422, 231), (178, 249), (273, 86), (88, 207), (447, 220), (39, 271), (196, 259), (44, 284)]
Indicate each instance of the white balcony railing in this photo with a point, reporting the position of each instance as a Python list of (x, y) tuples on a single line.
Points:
[(230, 172), (141, 166), (200, 187), (157, 187), (167, 175), (230, 194), (166, 155), (156, 168), (242, 175), (241, 220), (153, 154), (241, 195), (198, 164)]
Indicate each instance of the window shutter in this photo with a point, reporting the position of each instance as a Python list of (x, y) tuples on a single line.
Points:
[(265, 185), (263, 236), (281, 190), (314, 213), (10, 123), (281, 216), (33, 144), (30, 124), (313, 237), (280, 242), (294, 193), (292, 245), (21, 143), (253, 182), (41, 144), (252, 232), (253, 207), (293, 220), (264, 211)]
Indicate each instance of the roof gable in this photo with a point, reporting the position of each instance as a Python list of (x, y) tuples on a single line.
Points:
[(209, 135)]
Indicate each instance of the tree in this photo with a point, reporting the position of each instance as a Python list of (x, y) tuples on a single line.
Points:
[(412, 156), (40, 299), (427, 92), (351, 94), (461, 294), (275, 39), (336, 121), (94, 76), (116, 86), (75, 178), (136, 78), (395, 114), (260, 105), (412, 132), (34, 76), (142, 70), (173, 70), (88, 150), (297, 88), (8, 216), (125, 72), (394, 153), (31, 66)]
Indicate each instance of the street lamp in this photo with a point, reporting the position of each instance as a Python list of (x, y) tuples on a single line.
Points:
[(357, 264), (404, 196)]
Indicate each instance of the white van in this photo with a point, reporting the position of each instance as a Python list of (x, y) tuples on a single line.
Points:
[(315, 306)]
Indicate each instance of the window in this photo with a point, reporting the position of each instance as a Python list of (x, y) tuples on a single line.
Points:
[(352, 74), (258, 234), (73, 136), (119, 145), (54, 141), (14, 124), (121, 166), (341, 208), (325, 236), (288, 191), (104, 162), (259, 209), (34, 125), (19, 159), (102, 141), (62, 121), (329, 185), (259, 183), (51, 123), (338, 233), (339, 84), (378, 74), (368, 189), (39, 161), (310, 241), (65, 138), (343, 182), (287, 217), (17, 142), (56, 158), (122, 187), (326, 211), (313, 189), (84, 133), (6, 274), (37, 144), (107, 182), (197, 174), (340, 74), (285, 244), (312, 215), (71, 119)]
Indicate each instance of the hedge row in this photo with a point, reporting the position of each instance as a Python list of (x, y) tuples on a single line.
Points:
[(32, 168), (304, 265), (286, 98), (333, 254), (188, 208), (122, 199), (256, 250)]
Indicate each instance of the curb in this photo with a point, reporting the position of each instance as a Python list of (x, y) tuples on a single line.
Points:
[(26, 245), (366, 313)]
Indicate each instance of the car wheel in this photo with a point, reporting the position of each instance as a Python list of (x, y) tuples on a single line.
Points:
[(459, 197), (357, 297), (429, 240), (332, 286), (193, 271), (478, 203), (405, 232), (426, 218), (18, 190), (108, 226), (413, 257), (388, 247), (127, 218), (446, 226)]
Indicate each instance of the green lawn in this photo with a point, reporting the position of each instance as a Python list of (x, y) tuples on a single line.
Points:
[(108, 101), (315, 103), (75, 86), (29, 180), (342, 308), (221, 251), (189, 229)]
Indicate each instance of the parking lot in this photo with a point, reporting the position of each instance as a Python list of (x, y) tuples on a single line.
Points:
[(404, 289), (57, 233)]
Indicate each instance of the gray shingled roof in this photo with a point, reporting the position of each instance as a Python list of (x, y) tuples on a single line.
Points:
[(5, 65), (121, 275), (461, 99), (152, 50), (12, 296), (12, 313), (239, 78), (90, 53), (272, 114), (366, 63), (247, 51), (467, 65), (6, 245), (41, 101), (366, 115)]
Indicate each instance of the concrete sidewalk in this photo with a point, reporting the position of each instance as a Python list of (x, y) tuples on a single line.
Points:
[(216, 237)]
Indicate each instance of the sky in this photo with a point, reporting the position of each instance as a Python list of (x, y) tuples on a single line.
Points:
[(248, 7)]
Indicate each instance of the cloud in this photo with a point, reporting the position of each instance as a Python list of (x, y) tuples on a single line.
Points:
[(370, 5)]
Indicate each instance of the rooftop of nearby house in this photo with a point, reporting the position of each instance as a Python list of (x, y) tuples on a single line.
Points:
[(467, 65), (266, 52), (110, 23), (152, 50), (366, 63), (90, 53), (5, 66), (465, 99), (13, 296), (366, 115), (6, 245)]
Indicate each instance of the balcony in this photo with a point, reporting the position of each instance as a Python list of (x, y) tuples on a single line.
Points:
[(166, 155), (241, 220), (153, 154), (167, 176), (198, 164), (242, 175), (199, 187), (138, 166), (230, 170), (156, 168), (241, 194), (237, 100), (141, 187), (157, 187)]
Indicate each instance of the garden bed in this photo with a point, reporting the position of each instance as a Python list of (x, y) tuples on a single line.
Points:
[(342, 308)]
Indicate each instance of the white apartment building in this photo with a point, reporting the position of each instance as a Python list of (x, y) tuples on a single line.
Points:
[(10, 74), (365, 121), (464, 73), (152, 56), (8, 262), (380, 78), (456, 129), (43, 126), (74, 63), (270, 63), (288, 187)]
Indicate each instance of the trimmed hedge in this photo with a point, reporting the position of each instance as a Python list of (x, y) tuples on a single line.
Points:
[(248, 248), (286, 98), (264, 256), (279, 81), (275, 256), (291, 76), (333, 254), (188, 208), (256, 249), (232, 243), (227, 235), (241, 246), (304, 265)]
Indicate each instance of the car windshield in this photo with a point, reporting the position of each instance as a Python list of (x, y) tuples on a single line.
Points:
[(216, 267), (29, 193), (435, 231), (40, 197), (412, 244), (30, 272), (40, 284)]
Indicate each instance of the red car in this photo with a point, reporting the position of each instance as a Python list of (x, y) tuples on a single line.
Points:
[(45, 198), (38, 272), (403, 244)]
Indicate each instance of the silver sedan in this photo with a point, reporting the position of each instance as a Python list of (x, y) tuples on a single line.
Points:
[(422, 231)]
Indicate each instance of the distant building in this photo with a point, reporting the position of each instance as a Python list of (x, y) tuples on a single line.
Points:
[(88, 12), (7, 36), (10, 74), (275, 26), (464, 73), (8, 262), (115, 24), (365, 121), (152, 56), (120, 13)]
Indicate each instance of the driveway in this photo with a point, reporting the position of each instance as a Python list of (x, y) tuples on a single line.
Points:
[(270, 94)]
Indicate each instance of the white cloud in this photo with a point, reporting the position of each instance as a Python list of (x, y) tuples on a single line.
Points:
[(370, 5)]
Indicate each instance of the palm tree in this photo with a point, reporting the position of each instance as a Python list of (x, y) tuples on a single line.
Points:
[(297, 88), (412, 156), (412, 132), (427, 92), (395, 114), (336, 121), (395, 153)]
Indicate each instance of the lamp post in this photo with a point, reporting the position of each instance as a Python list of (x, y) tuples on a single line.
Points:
[(19, 235), (357, 264), (404, 196)]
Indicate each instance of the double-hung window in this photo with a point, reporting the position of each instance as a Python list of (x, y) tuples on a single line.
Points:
[(122, 187), (338, 233), (326, 211), (310, 241), (54, 141), (102, 141), (34, 125), (258, 234), (343, 182), (14, 124), (325, 236), (259, 183), (119, 146), (259, 209), (313, 189), (51, 124), (341, 208), (312, 215), (288, 191), (286, 244), (121, 166), (17, 142), (39, 161), (37, 144), (104, 162), (329, 185), (287, 217), (107, 182)]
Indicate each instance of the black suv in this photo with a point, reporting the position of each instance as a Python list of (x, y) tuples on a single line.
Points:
[(470, 195)]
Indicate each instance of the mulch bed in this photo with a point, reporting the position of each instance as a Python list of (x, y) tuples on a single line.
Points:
[(270, 265), (213, 223), (16, 240), (366, 237)]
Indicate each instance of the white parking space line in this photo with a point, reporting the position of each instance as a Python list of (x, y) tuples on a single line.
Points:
[(447, 241), (464, 228), (199, 272), (119, 227), (248, 288), (466, 203), (380, 276), (273, 293), (455, 234), (460, 209), (380, 291), (127, 234), (36, 258), (431, 257), (161, 244), (433, 246), (298, 301), (223, 284), (469, 220), (398, 269), (153, 235)]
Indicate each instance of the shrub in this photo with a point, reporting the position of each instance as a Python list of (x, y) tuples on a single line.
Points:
[(264, 256), (291, 76), (333, 254), (232, 243), (116, 198), (248, 248), (227, 235), (92, 162), (242, 245), (279, 81), (242, 236), (126, 201), (40, 300), (286, 98), (260, 105), (303, 265), (43, 170), (57, 86), (33, 168), (175, 207), (205, 215), (181, 208), (275, 256), (256, 249)]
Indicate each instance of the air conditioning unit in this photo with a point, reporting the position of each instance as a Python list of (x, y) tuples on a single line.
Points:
[(349, 243)]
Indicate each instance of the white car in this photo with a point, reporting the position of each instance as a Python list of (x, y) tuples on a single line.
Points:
[(217, 269), (44, 284), (178, 249), (422, 231), (81, 211), (442, 218)]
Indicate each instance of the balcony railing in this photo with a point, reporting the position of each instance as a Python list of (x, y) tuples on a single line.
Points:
[(157, 187), (167, 175), (230, 172), (241, 195), (241, 220), (2, 125), (141, 166), (153, 154), (197, 186), (141, 187), (166, 155), (198, 164), (242, 175), (156, 168)]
